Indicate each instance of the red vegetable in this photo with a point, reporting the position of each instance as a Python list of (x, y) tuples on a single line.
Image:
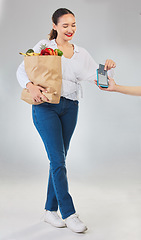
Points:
[(43, 52), (48, 51)]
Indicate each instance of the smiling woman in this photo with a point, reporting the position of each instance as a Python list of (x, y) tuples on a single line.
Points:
[(64, 27), (56, 22), (56, 122)]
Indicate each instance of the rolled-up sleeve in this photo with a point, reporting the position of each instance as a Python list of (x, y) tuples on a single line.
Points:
[(88, 67), (22, 76), (111, 73)]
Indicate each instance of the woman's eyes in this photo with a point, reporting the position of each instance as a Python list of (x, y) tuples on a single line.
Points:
[(72, 26)]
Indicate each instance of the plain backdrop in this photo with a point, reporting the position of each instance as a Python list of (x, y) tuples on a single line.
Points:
[(107, 139), (106, 145)]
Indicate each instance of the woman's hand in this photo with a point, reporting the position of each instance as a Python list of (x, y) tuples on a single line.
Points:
[(109, 64), (111, 87), (36, 92)]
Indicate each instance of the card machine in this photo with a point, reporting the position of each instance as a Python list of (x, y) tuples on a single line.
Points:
[(102, 77)]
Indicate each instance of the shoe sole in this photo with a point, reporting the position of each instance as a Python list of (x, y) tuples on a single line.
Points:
[(63, 226), (78, 231)]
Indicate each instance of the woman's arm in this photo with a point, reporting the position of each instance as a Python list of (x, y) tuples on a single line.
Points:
[(87, 66), (24, 81), (130, 90), (35, 91)]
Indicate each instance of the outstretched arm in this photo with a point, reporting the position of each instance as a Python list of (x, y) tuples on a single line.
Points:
[(129, 90)]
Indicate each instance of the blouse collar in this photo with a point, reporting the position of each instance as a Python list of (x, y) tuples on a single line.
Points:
[(53, 43)]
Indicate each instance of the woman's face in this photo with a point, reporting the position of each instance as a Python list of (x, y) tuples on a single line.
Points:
[(66, 27)]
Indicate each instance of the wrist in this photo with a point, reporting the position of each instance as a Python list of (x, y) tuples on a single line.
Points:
[(29, 84), (116, 88)]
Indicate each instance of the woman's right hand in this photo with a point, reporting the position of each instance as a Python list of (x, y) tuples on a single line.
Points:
[(36, 92)]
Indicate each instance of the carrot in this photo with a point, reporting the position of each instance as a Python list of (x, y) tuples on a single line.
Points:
[(56, 52)]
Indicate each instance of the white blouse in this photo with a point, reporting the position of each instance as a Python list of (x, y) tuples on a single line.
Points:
[(81, 67)]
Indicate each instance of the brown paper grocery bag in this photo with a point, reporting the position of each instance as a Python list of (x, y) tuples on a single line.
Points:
[(45, 71)]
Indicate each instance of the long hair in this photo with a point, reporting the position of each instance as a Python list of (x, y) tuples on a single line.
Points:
[(55, 17)]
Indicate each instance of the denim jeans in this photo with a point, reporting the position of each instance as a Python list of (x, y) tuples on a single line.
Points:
[(55, 124)]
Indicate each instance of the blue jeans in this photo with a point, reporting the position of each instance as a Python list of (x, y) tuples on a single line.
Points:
[(55, 124)]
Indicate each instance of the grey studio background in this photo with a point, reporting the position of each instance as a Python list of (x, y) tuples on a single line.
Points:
[(104, 158)]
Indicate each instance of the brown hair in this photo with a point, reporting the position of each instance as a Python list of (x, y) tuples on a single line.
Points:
[(55, 17)]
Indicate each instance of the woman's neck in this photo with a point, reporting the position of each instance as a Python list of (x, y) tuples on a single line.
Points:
[(61, 42)]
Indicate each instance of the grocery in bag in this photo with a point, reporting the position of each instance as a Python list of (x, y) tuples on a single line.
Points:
[(44, 70)]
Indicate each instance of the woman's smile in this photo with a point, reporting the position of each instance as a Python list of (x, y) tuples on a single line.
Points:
[(69, 34)]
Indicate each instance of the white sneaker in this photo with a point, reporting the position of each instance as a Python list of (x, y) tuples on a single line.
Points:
[(53, 218), (75, 224)]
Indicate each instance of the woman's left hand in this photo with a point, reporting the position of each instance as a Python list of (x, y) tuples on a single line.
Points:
[(109, 64)]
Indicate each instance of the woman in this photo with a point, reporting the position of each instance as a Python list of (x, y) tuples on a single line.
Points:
[(56, 122), (129, 90)]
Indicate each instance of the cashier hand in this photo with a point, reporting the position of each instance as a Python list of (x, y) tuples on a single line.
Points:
[(111, 87), (36, 92)]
